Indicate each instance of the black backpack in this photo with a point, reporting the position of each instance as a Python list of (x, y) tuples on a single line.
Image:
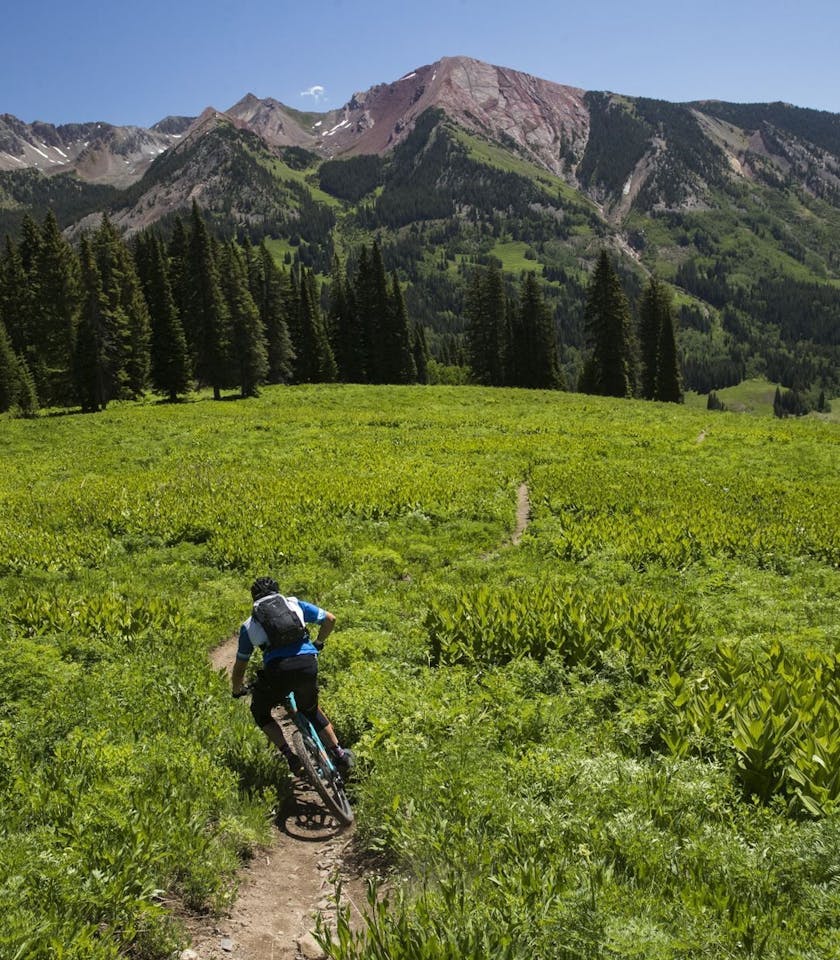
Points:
[(281, 624)]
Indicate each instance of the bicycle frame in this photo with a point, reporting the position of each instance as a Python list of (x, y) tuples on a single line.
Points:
[(322, 773), (304, 724)]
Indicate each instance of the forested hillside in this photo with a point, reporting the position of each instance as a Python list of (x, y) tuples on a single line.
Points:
[(734, 208)]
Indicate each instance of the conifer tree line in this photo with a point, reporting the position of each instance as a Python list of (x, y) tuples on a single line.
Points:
[(628, 360), (512, 341), (792, 403), (108, 320)]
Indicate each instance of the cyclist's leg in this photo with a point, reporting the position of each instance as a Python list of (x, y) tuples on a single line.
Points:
[(306, 695), (270, 690), (305, 685)]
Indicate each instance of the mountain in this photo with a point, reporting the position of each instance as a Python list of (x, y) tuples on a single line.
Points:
[(74, 169), (622, 152), (95, 152), (461, 163)]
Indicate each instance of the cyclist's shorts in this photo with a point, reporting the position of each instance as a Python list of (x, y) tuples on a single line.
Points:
[(280, 677)]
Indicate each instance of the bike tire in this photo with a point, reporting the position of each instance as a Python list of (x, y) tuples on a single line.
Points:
[(327, 783)]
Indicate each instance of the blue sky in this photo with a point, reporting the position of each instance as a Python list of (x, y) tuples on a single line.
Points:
[(134, 63)]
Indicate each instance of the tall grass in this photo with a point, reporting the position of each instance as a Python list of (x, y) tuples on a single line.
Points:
[(552, 738)]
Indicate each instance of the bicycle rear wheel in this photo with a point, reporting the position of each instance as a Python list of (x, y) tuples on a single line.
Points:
[(325, 780)]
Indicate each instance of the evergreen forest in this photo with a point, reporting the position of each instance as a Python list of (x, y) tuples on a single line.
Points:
[(114, 319), (473, 250)]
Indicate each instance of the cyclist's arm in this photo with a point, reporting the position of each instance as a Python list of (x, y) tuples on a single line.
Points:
[(325, 628), (240, 664), (237, 676), (313, 614)]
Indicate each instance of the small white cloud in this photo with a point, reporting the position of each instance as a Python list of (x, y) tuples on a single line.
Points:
[(317, 92)]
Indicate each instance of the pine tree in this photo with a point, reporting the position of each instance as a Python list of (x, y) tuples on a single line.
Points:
[(668, 387), (516, 363), (206, 319), (316, 362), (15, 309), (377, 319), (89, 358), (476, 332), (139, 360), (661, 377), (650, 322), (474, 313), (291, 308), (399, 359), (269, 296), (371, 296), (487, 326), (538, 340), (27, 394), (8, 371), (177, 262), (171, 369), (29, 244), (248, 338), (420, 350), (713, 402), (128, 329), (609, 369), (21, 323), (115, 333), (344, 329), (337, 314), (364, 299), (54, 305), (497, 332)]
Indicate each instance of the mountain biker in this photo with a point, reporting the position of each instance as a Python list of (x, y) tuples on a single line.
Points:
[(289, 668)]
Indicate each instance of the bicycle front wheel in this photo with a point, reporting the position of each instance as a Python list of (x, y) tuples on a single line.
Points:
[(325, 780)]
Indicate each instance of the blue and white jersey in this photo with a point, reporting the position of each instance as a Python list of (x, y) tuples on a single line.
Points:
[(252, 634)]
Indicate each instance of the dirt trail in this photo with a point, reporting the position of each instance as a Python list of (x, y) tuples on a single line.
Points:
[(523, 513), (291, 881), (285, 885)]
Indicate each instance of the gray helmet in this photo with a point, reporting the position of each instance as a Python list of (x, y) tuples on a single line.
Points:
[(263, 586)]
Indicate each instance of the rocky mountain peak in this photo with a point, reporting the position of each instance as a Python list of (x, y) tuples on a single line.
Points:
[(96, 152), (176, 126), (546, 121), (272, 121)]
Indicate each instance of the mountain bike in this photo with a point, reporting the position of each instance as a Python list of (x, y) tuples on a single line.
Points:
[(317, 763)]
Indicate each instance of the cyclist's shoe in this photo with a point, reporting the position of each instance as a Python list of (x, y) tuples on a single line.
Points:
[(293, 760), (344, 760)]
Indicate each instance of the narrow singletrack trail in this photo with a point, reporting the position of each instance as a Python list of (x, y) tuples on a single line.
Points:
[(523, 513), (285, 885)]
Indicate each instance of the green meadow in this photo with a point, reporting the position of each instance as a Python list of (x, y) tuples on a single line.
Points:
[(617, 738)]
